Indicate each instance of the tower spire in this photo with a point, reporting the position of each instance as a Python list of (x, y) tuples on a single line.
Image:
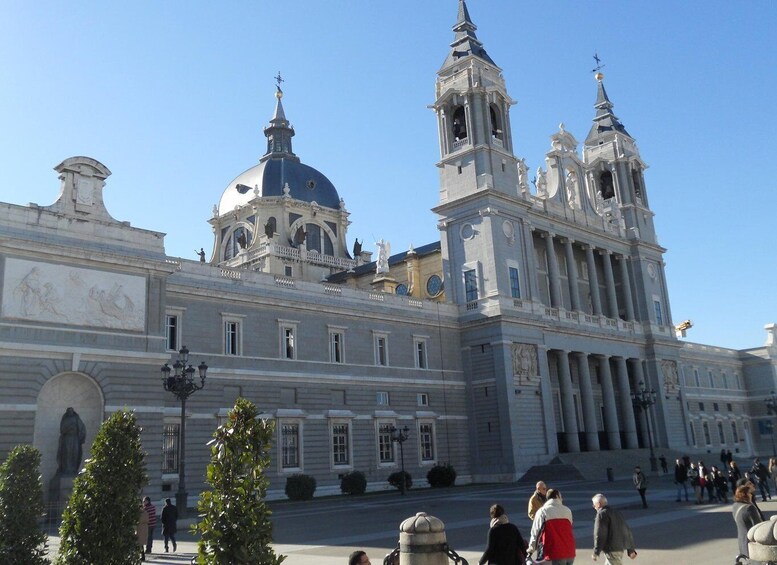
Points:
[(465, 41), (605, 121), (279, 132)]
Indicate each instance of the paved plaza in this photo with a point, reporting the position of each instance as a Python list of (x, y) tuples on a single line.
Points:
[(325, 531)]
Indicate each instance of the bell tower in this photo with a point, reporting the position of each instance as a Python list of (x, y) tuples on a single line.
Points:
[(472, 107)]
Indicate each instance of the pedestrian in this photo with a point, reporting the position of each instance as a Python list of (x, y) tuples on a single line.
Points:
[(358, 557), (537, 499), (760, 473), (640, 483), (681, 478), (746, 516), (721, 486), (505, 544), (612, 535), (729, 456), (723, 457), (695, 479), (552, 529), (746, 482), (709, 484), (664, 465), (141, 531), (151, 511), (734, 474), (773, 471), (170, 524)]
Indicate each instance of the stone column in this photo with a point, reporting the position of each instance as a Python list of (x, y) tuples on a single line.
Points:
[(593, 281), (609, 280), (639, 377), (574, 292), (626, 282), (610, 408), (587, 399), (556, 298), (531, 262), (627, 409), (568, 408)]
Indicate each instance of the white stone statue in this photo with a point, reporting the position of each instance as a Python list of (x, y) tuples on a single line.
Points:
[(384, 250), (523, 185), (572, 190), (542, 183), (524, 361)]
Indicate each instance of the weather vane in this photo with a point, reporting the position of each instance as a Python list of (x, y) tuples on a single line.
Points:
[(599, 65), (279, 80)]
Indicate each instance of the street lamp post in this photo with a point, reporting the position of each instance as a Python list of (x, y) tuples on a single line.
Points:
[(771, 408), (182, 384), (643, 398), (400, 436)]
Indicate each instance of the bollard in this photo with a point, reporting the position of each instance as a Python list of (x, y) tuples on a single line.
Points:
[(761, 541), (422, 542)]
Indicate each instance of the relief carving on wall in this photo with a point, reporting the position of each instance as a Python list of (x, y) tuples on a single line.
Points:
[(45, 292), (525, 362), (671, 379)]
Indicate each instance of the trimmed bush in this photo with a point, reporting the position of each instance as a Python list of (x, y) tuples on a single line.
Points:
[(353, 483), (441, 476), (98, 525), (235, 525), (395, 480), (300, 487), (21, 505)]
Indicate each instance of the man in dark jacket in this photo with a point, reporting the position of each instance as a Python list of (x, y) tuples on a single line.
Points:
[(681, 478), (612, 535), (761, 473), (505, 544), (170, 524)]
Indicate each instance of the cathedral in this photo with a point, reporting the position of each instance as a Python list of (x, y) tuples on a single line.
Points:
[(533, 327)]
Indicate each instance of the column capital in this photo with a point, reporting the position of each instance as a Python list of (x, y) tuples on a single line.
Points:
[(566, 240)]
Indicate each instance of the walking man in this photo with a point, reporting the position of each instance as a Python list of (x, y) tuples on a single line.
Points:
[(761, 474), (151, 511), (681, 478), (612, 535), (552, 529), (537, 499), (640, 483), (170, 524)]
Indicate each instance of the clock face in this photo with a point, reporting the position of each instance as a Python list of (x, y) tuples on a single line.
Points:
[(433, 285), (401, 289)]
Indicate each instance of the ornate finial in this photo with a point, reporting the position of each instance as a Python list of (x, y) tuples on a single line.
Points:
[(599, 75), (278, 81)]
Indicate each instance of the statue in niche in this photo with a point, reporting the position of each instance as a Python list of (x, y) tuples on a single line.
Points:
[(241, 240), (524, 361), (671, 379), (542, 183), (523, 185), (384, 250), (357, 248), (72, 434), (572, 190)]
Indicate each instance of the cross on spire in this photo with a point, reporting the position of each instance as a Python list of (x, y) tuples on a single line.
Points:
[(599, 65), (278, 80)]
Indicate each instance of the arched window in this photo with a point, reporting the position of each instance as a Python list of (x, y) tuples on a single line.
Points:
[(239, 239), (636, 179), (606, 185), (459, 124), (496, 122), (318, 240)]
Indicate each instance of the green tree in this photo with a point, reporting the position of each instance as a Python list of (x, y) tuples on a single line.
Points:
[(21, 506), (235, 527), (98, 525)]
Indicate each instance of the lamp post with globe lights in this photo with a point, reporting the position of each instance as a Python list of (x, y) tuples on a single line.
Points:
[(400, 436), (182, 384), (643, 398)]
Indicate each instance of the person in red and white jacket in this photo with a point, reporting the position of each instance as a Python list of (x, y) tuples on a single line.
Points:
[(552, 530)]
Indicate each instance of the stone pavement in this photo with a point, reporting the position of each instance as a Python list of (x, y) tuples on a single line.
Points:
[(325, 531)]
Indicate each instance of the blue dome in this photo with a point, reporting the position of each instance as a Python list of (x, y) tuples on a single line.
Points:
[(270, 176)]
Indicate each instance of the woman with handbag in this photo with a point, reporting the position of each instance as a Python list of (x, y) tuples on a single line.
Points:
[(505, 544)]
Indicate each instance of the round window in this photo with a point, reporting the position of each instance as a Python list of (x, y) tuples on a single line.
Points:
[(401, 289), (434, 285)]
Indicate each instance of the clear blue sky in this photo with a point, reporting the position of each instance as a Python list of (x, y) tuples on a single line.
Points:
[(172, 97)]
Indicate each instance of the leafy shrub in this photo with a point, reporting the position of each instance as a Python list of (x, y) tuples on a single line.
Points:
[(21, 504), (353, 483), (98, 525), (235, 525), (441, 476), (300, 487), (395, 479)]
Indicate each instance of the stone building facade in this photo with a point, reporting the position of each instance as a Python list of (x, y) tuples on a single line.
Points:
[(522, 333)]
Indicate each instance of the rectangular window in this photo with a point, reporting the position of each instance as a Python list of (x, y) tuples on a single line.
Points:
[(715, 406), (336, 347), (696, 377), (171, 332), (340, 444), (720, 433), (706, 429), (385, 445), (170, 448), (422, 399), (382, 398), (290, 446), (470, 285), (728, 407), (426, 441), (734, 433), (231, 337), (420, 353), (287, 270), (712, 379), (515, 284), (701, 407), (288, 349), (659, 312), (381, 350)]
